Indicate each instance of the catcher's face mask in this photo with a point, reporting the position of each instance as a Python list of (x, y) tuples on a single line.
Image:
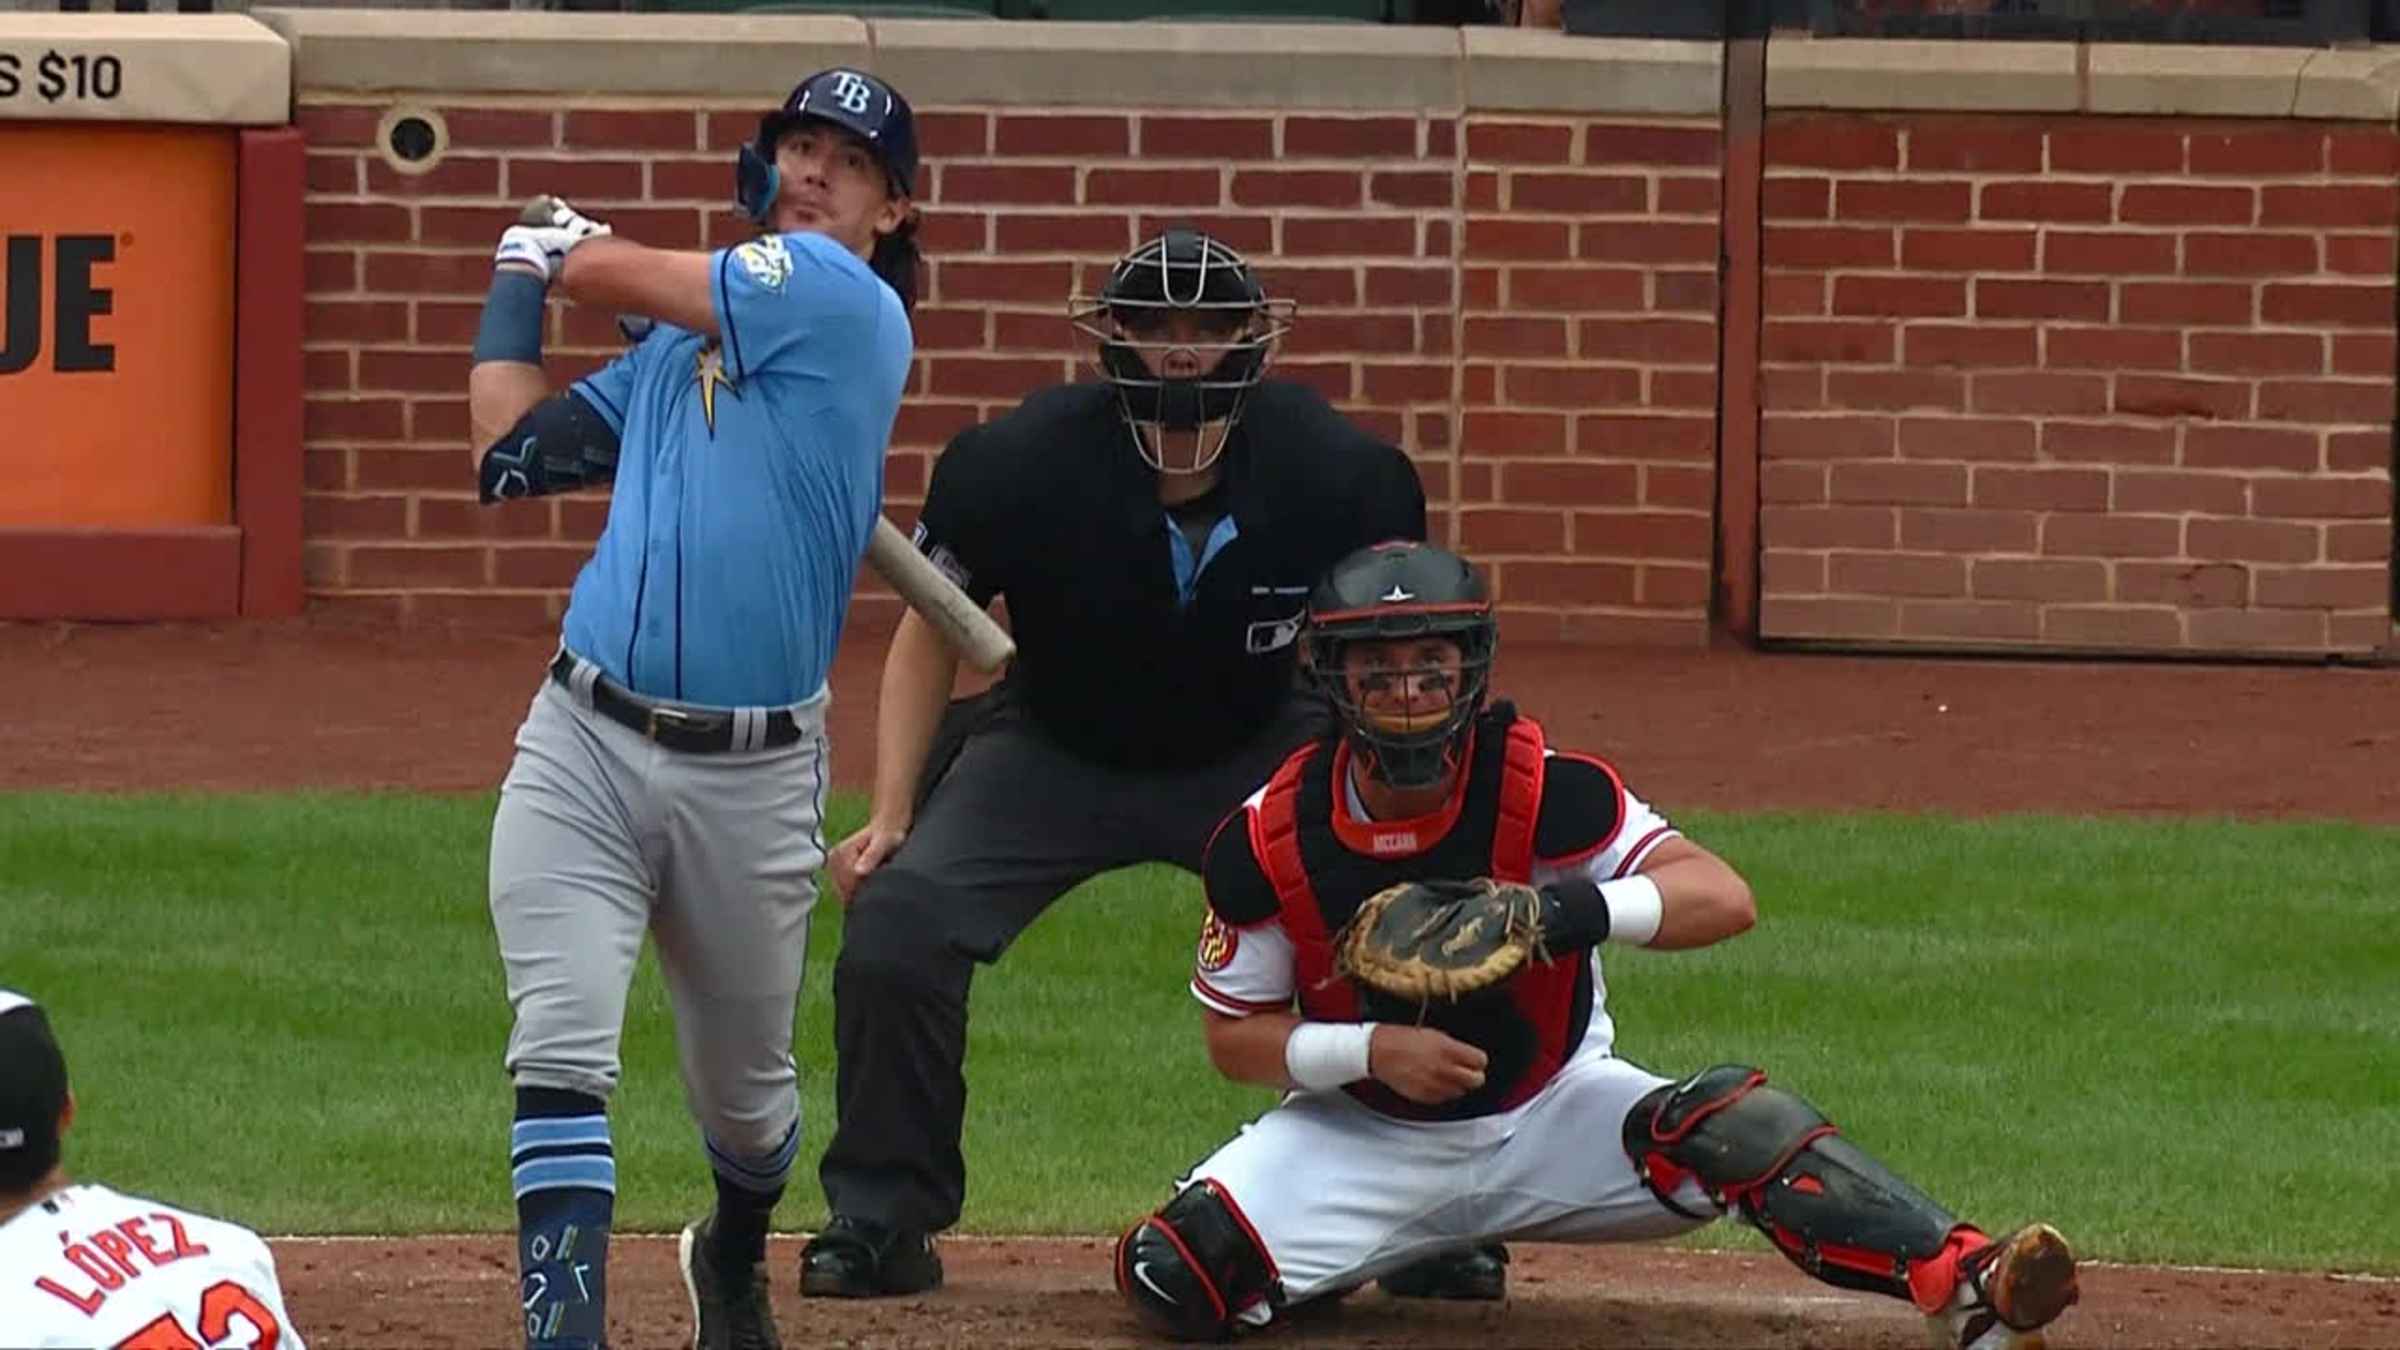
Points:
[(1183, 333), (1402, 687), (1408, 704)]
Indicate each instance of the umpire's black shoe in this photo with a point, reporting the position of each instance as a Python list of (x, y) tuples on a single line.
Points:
[(856, 1259), (1469, 1274), (729, 1308)]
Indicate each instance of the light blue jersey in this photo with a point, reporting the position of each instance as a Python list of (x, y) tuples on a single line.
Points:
[(748, 479)]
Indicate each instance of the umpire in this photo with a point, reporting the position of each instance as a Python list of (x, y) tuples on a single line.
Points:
[(670, 776), (1155, 535)]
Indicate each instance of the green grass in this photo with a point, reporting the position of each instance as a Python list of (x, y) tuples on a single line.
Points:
[(2179, 1040)]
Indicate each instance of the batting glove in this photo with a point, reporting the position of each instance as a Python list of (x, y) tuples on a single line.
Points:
[(551, 229)]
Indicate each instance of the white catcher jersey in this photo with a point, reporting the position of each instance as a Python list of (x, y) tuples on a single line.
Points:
[(90, 1267), (1240, 971)]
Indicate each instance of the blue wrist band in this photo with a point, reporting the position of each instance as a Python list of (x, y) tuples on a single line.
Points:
[(512, 318)]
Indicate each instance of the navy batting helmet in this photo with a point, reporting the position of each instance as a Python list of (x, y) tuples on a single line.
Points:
[(850, 99)]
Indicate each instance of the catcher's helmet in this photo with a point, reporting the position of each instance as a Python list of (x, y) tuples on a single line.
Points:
[(1182, 271), (850, 99), (1397, 591)]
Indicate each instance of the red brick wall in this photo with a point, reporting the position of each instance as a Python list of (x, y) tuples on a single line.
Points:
[(1589, 375), (1530, 312), (2078, 382)]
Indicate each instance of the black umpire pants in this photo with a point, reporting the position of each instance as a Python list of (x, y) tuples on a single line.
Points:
[(1015, 822)]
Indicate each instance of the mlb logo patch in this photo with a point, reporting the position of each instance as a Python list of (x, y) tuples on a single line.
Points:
[(1272, 635)]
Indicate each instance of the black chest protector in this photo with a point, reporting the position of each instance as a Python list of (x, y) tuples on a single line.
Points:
[(1323, 864)]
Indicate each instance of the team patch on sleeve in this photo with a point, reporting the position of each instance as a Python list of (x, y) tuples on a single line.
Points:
[(767, 261), (1255, 970), (1218, 942)]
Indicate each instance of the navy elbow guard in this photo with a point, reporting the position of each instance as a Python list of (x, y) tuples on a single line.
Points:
[(559, 446)]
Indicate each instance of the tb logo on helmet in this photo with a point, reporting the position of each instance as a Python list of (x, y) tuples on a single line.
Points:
[(851, 92)]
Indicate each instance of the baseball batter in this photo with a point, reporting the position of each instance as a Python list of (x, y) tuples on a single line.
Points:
[(670, 777), (82, 1265), (1505, 1113)]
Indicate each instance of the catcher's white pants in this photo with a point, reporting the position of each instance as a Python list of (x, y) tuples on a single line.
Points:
[(1341, 1194)]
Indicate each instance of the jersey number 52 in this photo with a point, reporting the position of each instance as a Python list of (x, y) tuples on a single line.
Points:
[(223, 1302)]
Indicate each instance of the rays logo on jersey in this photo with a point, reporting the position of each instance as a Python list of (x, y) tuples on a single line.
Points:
[(708, 369), (767, 261)]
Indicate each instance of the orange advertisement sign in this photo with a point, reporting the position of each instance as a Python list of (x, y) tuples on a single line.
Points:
[(116, 325)]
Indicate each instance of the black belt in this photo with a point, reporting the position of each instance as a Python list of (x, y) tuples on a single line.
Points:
[(691, 730)]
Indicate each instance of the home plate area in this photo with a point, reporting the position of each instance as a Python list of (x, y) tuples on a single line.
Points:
[(454, 1292)]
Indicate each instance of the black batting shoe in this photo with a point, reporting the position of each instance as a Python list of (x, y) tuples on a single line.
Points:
[(1463, 1274), (853, 1258), (730, 1310)]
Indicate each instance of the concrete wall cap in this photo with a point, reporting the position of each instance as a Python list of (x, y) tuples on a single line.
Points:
[(2162, 79), (1181, 65), (2117, 78), (192, 69), (1892, 75), (2348, 84), (2224, 81), (702, 56), (1516, 68)]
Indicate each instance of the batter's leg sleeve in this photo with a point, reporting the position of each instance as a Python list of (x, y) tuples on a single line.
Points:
[(563, 1168)]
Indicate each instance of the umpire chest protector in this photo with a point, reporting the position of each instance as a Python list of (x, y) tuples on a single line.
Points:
[(1323, 863), (1134, 647)]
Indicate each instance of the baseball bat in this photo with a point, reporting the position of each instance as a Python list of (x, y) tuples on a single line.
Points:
[(969, 631)]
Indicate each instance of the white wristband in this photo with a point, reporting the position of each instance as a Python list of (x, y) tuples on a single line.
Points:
[(1634, 908), (1322, 1055)]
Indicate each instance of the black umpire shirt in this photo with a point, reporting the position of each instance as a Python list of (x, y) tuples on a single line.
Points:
[(1052, 507)]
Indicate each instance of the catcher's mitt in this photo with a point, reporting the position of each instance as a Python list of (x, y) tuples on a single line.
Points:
[(1422, 940)]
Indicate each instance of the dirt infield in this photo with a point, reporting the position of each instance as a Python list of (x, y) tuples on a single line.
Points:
[(312, 703), (315, 704), (452, 1292)]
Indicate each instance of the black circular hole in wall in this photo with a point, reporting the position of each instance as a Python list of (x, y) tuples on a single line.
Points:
[(413, 139)]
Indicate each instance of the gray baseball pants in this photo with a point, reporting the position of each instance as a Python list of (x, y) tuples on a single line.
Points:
[(602, 836)]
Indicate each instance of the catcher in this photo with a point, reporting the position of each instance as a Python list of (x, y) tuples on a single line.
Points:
[(1404, 932)]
